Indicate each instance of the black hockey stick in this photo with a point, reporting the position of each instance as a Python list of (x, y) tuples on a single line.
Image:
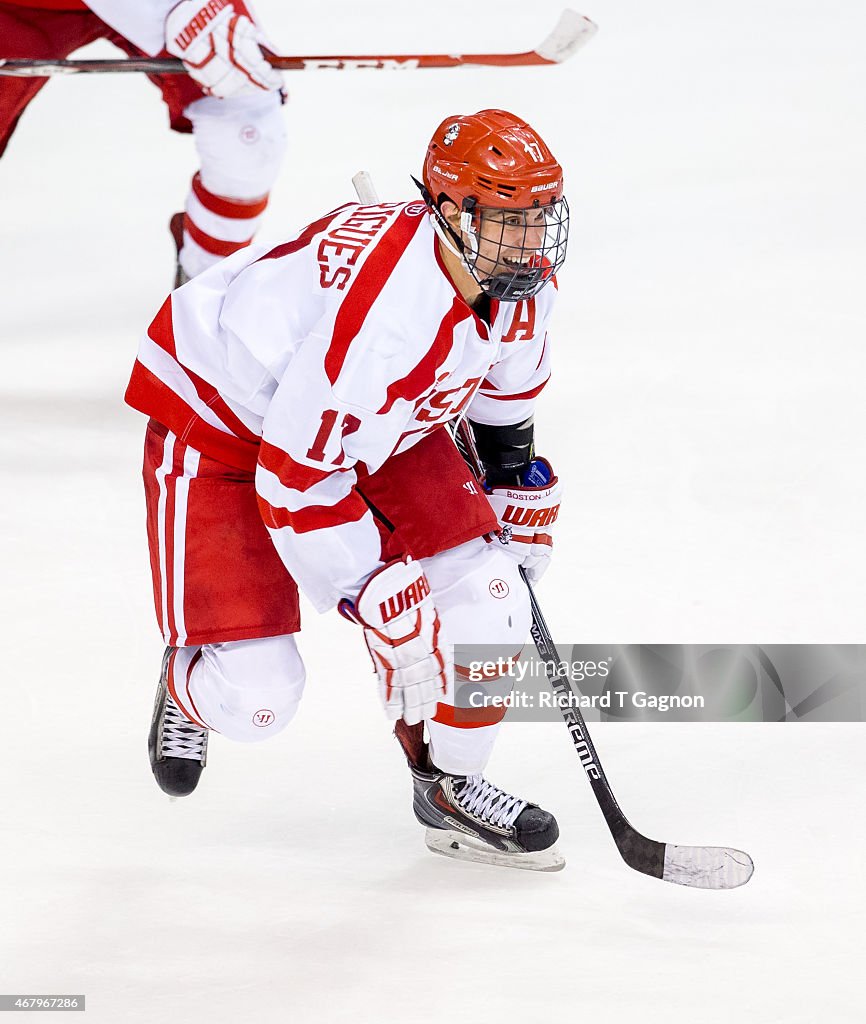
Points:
[(703, 867), (570, 33)]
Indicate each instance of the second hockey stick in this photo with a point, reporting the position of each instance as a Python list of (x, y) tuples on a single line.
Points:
[(571, 32)]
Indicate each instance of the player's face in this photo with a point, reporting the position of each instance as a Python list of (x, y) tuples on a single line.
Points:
[(509, 241)]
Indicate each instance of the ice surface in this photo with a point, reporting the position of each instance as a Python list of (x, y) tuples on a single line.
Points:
[(707, 417)]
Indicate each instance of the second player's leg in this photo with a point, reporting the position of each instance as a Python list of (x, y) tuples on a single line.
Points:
[(240, 143)]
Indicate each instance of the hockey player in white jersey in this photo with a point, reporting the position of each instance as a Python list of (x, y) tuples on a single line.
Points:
[(300, 401), (230, 100)]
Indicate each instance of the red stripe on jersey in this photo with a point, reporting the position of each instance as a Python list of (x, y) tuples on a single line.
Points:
[(148, 394), (370, 281), (215, 246), (315, 517), (423, 376), (511, 398), (223, 206), (294, 475), (305, 237), (161, 331), (543, 350)]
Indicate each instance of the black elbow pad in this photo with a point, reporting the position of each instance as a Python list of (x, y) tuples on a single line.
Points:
[(505, 451)]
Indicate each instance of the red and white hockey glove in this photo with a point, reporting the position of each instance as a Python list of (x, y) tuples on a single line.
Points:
[(219, 46), (401, 627), (527, 514)]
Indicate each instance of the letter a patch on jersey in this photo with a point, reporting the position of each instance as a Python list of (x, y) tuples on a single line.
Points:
[(522, 323)]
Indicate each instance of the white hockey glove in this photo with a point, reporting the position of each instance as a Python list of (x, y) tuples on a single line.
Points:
[(401, 627), (219, 46), (527, 514)]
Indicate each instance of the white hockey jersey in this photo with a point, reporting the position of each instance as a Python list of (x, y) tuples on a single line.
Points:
[(337, 349)]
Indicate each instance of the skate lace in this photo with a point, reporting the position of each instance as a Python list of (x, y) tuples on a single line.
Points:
[(489, 802), (180, 738)]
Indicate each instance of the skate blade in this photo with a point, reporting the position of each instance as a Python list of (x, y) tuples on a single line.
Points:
[(456, 845)]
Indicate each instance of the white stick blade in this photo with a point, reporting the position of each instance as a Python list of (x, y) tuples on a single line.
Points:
[(572, 31), (707, 867)]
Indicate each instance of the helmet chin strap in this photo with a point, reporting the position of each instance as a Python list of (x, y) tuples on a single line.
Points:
[(448, 236)]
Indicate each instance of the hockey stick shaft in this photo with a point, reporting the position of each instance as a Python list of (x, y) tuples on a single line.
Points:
[(572, 31), (568, 703)]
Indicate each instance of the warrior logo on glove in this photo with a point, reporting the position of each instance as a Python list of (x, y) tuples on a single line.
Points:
[(527, 514), (219, 45), (401, 602)]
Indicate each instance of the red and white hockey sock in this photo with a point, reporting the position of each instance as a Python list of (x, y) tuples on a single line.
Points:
[(216, 226)]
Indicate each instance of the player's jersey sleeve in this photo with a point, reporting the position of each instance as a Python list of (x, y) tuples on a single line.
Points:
[(509, 391)]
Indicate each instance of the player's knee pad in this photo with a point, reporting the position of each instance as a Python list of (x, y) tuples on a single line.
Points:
[(480, 596), (240, 142), (248, 690)]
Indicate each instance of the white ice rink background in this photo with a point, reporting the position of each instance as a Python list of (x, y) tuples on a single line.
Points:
[(707, 417)]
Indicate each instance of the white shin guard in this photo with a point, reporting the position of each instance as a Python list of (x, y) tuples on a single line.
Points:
[(481, 599)]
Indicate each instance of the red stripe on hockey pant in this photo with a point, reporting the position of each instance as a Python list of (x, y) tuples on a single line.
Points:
[(315, 517), (223, 206), (169, 528), (305, 237), (215, 246), (370, 281), (154, 447), (468, 718)]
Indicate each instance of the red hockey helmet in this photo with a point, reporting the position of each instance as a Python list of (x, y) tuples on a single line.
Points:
[(494, 158), (509, 189)]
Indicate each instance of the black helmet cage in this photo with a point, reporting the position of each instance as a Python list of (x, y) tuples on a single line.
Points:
[(527, 279), (533, 266)]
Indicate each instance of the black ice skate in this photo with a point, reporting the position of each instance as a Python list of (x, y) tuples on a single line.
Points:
[(175, 225), (177, 747), (469, 818)]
